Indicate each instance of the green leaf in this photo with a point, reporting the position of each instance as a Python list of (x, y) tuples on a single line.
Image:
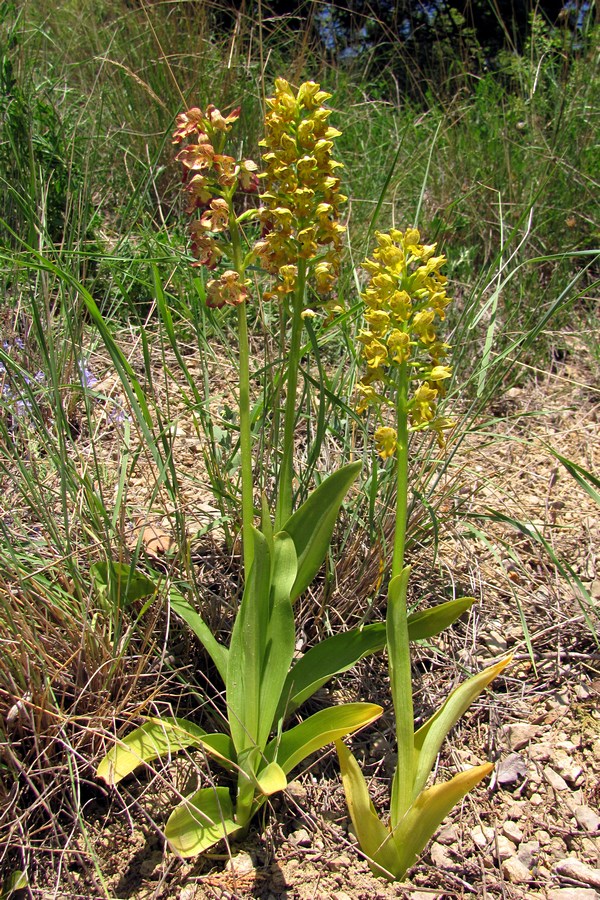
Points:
[(271, 779), (427, 812), (311, 526), (429, 738), (328, 658), (341, 652), (160, 737), (373, 836), (279, 639), (587, 480), (429, 622), (201, 821), (121, 583), (246, 651), (320, 729), (217, 652), (16, 881)]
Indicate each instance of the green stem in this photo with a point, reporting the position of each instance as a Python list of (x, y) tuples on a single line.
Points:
[(397, 623), (244, 402), (402, 471), (286, 472)]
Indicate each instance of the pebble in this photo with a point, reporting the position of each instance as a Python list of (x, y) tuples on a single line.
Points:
[(339, 863), (301, 838), (556, 781), (512, 831), (242, 863), (440, 857), (577, 871), (482, 835), (511, 769), (519, 734), (569, 770), (572, 894), (503, 848), (536, 799), (340, 895), (515, 872), (517, 809), (297, 792), (450, 834), (528, 853), (540, 752)]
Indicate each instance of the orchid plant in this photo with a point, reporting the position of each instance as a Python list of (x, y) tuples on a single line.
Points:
[(300, 241), (406, 373), (299, 245)]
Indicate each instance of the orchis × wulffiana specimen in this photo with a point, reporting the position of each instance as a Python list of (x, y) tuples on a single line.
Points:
[(406, 301)]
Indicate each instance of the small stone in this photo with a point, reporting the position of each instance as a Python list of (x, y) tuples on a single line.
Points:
[(515, 872), (512, 831), (543, 837), (556, 781), (440, 857), (519, 734), (511, 769), (572, 894), (540, 752), (482, 835), (503, 848), (517, 809), (528, 853), (536, 799), (339, 863), (569, 770), (340, 895), (573, 868), (301, 838), (450, 834), (297, 792), (242, 863)]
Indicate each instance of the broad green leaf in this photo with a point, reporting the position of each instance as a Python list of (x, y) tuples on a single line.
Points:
[(156, 738), (217, 652), (328, 658), (429, 622), (201, 821), (272, 779), (341, 652), (373, 836), (428, 739), (279, 639), (247, 650), (121, 582), (311, 526), (427, 812), (320, 729)]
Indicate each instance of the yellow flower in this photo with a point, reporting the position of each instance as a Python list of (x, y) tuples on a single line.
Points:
[(386, 441), (299, 178)]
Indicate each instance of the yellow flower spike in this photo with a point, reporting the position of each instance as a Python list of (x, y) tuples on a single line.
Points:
[(299, 178), (386, 441)]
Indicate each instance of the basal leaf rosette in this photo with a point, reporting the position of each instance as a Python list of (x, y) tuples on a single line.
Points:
[(210, 179), (300, 212), (405, 358)]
